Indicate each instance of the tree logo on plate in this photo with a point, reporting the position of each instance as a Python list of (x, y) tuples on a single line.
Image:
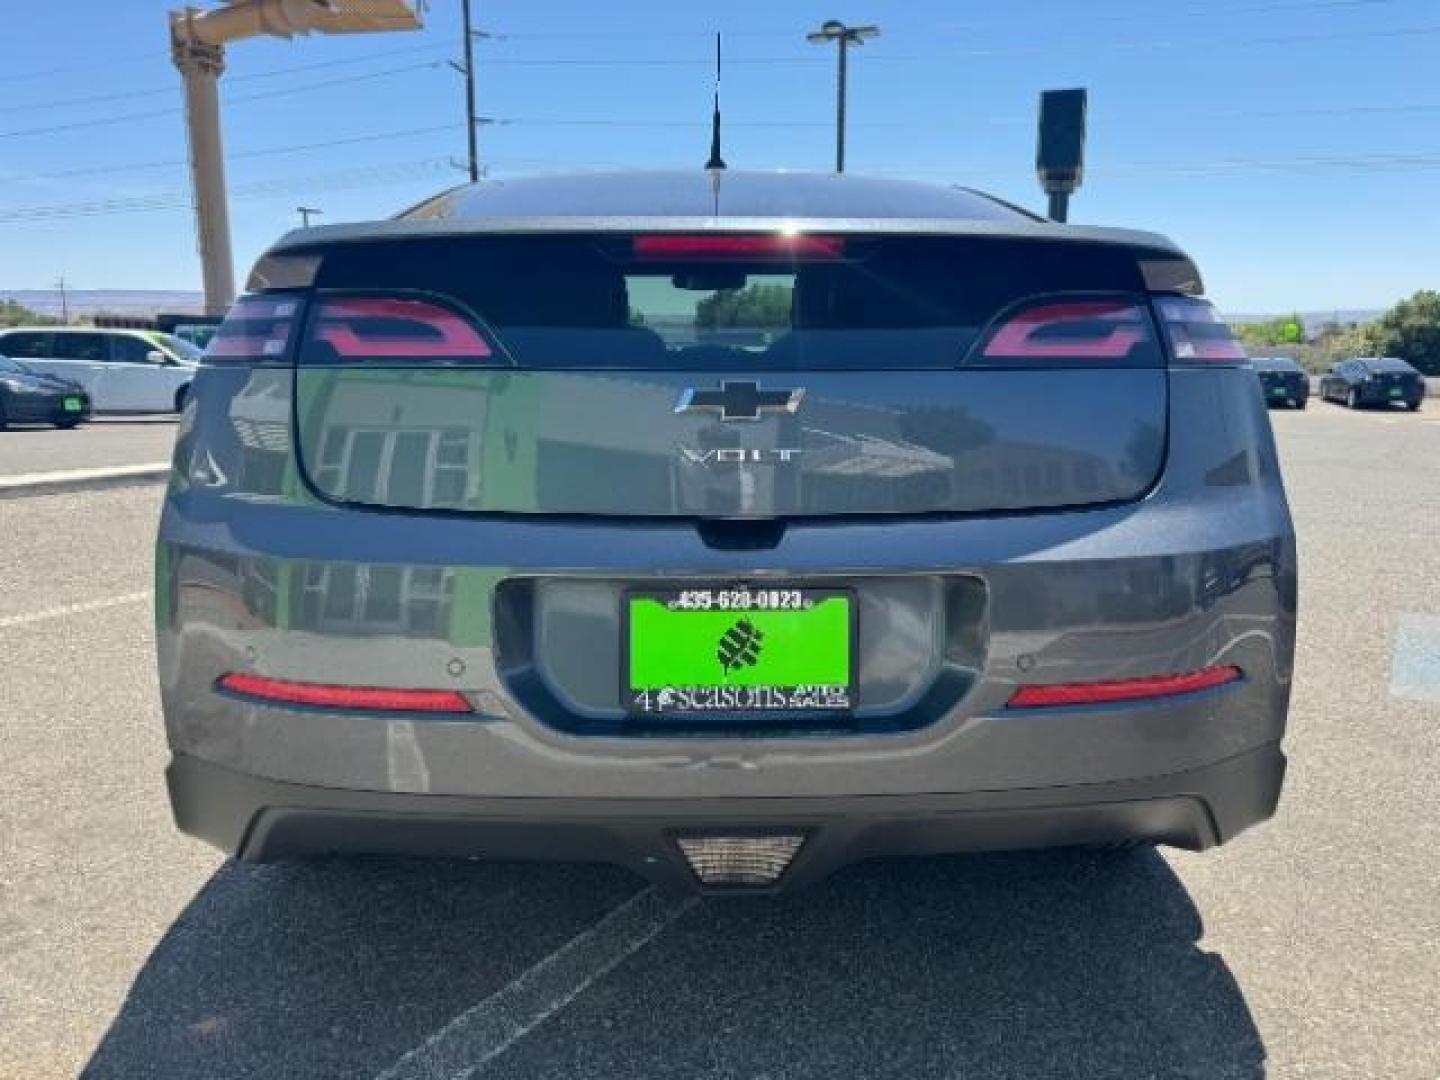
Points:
[(740, 646)]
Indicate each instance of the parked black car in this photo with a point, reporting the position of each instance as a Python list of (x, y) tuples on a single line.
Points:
[(1283, 381), (27, 396), (1374, 380)]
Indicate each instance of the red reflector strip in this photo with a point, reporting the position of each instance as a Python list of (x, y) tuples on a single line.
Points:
[(383, 327), (721, 246), (1078, 330), (372, 698), (1096, 693)]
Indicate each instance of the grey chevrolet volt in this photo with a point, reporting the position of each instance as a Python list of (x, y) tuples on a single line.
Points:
[(731, 528)]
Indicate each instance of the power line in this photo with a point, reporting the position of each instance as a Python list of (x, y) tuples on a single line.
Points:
[(267, 151), (404, 171), (1087, 17), (77, 125), (339, 180), (965, 122), (125, 95), (1318, 112), (84, 65)]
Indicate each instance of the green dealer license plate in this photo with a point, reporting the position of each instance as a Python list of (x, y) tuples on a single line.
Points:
[(738, 649), (70, 404)]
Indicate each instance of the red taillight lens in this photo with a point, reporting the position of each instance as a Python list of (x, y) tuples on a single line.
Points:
[(362, 698), (256, 328), (1197, 332), (392, 328), (1098, 329), (1099, 693), (784, 246)]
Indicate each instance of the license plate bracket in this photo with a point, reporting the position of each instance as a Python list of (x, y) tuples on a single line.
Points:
[(720, 651)]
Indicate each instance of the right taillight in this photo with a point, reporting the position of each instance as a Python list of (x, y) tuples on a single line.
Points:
[(1196, 331)]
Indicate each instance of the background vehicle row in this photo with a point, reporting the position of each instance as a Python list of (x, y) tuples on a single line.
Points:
[(119, 370), (1374, 380)]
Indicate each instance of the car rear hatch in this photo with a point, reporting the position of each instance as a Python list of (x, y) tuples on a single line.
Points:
[(714, 375)]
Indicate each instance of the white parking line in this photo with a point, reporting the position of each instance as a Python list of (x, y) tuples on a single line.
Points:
[(81, 479), (7, 621), (1415, 668), (463, 1047)]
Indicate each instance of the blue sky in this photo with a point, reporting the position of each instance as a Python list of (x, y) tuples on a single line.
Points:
[(1293, 146)]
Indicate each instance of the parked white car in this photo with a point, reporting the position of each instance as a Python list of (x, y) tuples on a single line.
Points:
[(122, 370)]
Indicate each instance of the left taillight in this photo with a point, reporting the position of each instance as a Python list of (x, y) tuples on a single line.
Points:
[(257, 329), (391, 330)]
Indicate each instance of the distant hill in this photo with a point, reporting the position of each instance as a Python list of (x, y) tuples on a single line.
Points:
[(1313, 320), (89, 302)]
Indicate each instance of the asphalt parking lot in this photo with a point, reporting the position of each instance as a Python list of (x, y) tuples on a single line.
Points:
[(1308, 948), (105, 441)]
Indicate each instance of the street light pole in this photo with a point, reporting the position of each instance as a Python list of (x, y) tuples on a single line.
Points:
[(306, 212), (843, 36), (197, 45), (201, 63)]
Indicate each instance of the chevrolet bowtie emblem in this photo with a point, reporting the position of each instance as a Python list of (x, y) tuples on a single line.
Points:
[(739, 401)]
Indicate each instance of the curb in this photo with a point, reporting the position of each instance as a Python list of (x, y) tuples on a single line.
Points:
[(49, 483)]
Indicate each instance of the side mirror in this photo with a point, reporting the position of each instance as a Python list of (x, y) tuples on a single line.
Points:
[(155, 356)]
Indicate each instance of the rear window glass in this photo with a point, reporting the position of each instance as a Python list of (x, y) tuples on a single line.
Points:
[(704, 302), (1388, 364)]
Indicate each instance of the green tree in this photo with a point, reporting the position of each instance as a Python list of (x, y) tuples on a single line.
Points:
[(753, 307), (1341, 341), (16, 314), (1411, 331), (1282, 330)]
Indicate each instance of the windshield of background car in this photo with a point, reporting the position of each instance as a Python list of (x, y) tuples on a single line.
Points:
[(178, 347), (742, 303), (1389, 366)]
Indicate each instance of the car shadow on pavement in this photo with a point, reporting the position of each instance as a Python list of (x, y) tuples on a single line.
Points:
[(1053, 964)]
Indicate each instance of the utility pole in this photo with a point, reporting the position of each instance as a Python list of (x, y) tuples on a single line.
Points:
[(198, 37), (844, 36), (471, 135), (467, 69), (306, 213), (64, 301)]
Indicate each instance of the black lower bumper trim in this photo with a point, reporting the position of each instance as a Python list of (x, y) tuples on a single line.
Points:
[(263, 820)]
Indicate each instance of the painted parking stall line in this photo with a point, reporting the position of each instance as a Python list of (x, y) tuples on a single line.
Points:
[(1415, 667), (8, 621), (478, 1036)]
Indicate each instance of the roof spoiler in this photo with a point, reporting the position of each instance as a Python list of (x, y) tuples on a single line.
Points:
[(294, 261)]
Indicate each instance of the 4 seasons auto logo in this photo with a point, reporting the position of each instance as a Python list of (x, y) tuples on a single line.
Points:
[(740, 646)]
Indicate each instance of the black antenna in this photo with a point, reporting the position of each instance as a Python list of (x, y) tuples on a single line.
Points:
[(716, 161)]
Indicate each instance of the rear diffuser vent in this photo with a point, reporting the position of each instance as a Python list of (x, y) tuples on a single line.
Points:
[(739, 860)]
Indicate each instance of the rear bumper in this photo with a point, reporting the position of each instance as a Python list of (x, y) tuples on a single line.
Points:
[(262, 820)]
